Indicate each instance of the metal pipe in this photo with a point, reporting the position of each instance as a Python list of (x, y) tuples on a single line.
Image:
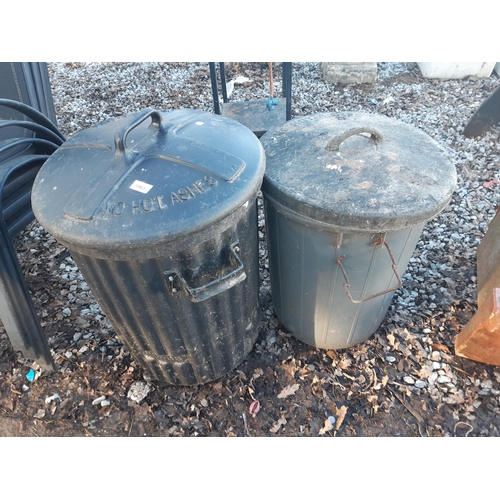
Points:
[(223, 82), (271, 85), (215, 91), (287, 88)]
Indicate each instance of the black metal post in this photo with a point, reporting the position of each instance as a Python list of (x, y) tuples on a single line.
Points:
[(223, 82), (215, 90), (287, 88)]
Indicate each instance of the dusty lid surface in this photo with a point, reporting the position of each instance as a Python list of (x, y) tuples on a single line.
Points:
[(147, 177), (357, 171)]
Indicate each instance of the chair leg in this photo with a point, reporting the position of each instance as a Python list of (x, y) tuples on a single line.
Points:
[(17, 311)]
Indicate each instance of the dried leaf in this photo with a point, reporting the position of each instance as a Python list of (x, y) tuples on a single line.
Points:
[(401, 366), (127, 376), (425, 372), (290, 368), (326, 428), (402, 348), (440, 347), (217, 387), (344, 363), (391, 338), (405, 334), (385, 379), (39, 414), (288, 391), (340, 415), (276, 427), (332, 355)]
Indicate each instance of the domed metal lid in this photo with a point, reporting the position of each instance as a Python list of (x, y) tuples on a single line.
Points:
[(357, 171), (147, 178)]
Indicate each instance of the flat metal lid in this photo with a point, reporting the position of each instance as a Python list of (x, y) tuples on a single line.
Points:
[(147, 177), (357, 171)]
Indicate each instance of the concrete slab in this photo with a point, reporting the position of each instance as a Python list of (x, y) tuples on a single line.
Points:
[(349, 72)]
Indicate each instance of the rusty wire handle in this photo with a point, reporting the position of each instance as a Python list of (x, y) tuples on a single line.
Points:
[(347, 284), (375, 137)]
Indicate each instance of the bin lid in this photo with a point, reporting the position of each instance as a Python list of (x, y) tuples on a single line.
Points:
[(356, 171), (146, 178)]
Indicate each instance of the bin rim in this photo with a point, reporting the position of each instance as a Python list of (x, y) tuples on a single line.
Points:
[(127, 188), (319, 169)]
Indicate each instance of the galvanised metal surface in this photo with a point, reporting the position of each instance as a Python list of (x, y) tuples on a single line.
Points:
[(158, 209), (308, 285), (180, 336), (346, 198), (357, 171)]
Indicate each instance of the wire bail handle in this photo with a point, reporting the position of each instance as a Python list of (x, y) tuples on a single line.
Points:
[(394, 268)]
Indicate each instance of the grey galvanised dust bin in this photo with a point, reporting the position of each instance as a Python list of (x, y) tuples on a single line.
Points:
[(346, 198), (159, 211)]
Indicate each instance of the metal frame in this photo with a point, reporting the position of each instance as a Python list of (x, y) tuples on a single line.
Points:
[(17, 311), (286, 91), (27, 108)]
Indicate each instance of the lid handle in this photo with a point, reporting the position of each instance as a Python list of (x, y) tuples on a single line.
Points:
[(375, 137), (121, 135)]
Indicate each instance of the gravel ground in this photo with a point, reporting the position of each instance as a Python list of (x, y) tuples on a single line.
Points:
[(404, 381)]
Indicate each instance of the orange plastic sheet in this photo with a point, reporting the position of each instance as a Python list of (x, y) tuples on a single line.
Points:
[(480, 338)]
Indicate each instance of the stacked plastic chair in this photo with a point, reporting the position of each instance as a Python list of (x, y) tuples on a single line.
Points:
[(27, 138)]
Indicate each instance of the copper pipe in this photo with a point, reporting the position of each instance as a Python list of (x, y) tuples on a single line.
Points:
[(271, 87)]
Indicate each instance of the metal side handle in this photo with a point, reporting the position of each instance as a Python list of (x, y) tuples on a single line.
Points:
[(177, 282), (347, 284)]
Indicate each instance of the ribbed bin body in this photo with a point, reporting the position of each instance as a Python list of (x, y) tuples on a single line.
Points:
[(159, 211), (176, 339), (308, 284)]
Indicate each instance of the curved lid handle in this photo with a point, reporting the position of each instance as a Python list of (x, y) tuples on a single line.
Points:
[(121, 135), (375, 137)]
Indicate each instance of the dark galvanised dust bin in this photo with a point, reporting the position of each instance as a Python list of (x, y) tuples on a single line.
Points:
[(346, 198), (159, 211)]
